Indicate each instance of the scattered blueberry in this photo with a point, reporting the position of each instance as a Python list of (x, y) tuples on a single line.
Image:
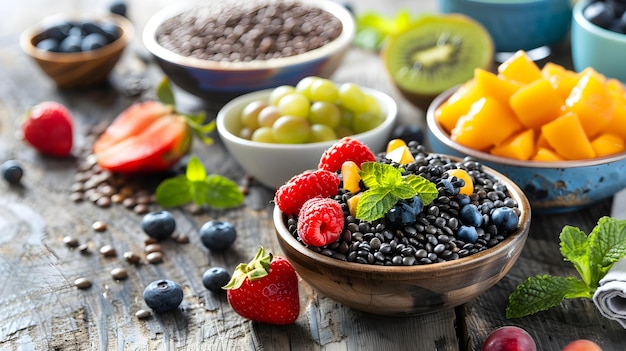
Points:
[(158, 225), (467, 233), (12, 172), (215, 278), (217, 235), (505, 219), (118, 8), (163, 295), (408, 132), (470, 215)]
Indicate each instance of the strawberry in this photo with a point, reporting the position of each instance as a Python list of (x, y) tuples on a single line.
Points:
[(320, 221), (346, 149), (292, 195), (146, 137), (265, 290), (48, 127)]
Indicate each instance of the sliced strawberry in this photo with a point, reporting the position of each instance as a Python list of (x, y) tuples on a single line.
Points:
[(155, 149), (132, 121), (48, 127), (320, 221), (265, 290), (346, 149)]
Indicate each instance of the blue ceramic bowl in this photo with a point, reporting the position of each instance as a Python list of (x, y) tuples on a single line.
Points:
[(517, 24), (591, 43), (215, 80), (550, 186)]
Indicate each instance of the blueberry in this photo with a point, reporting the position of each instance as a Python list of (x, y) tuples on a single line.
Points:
[(12, 172), (118, 8), (599, 13), (505, 219), (463, 199), (403, 213), (58, 31), (163, 295), (93, 41), (217, 235), (49, 44), (467, 233), (158, 225), (446, 187), (408, 132), (70, 44), (418, 205), (215, 278), (111, 31), (470, 215)]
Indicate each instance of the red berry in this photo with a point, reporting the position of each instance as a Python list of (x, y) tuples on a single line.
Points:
[(292, 195), (320, 221), (48, 128), (509, 338), (346, 149)]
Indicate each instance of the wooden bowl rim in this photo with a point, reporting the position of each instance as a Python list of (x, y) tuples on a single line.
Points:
[(27, 37), (502, 248)]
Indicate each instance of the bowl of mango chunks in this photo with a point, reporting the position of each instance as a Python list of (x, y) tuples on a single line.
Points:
[(560, 135)]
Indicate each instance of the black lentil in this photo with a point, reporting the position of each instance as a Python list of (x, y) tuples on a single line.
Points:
[(432, 238)]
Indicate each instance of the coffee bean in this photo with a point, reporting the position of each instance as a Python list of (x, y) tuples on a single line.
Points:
[(132, 257), (154, 257), (119, 273), (70, 241), (143, 314), (82, 283), (99, 226), (108, 251)]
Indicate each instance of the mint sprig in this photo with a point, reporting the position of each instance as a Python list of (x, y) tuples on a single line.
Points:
[(386, 185), (592, 256), (195, 185)]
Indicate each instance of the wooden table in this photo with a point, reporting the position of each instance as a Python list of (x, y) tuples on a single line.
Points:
[(41, 309)]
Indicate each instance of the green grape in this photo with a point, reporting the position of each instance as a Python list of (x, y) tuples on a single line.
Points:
[(277, 93), (291, 130), (346, 117), (304, 85), (352, 97), (324, 90), (250, 114), (364, 121), (268, 116), (321, 132), (263, 135), (372, 104), (245, 133), (326, 113), (343, 131), (294, 104)]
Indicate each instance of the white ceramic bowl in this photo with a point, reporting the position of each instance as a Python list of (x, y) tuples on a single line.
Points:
[(274, 164)]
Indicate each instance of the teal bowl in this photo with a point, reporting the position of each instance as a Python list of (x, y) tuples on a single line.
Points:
[(517, 24), (550, 186), (221, 80)]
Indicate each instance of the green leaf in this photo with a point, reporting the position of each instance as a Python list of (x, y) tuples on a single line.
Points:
[(607, 245), (543, 292), (575, 248), (426, 189), (199, 192), (403, 191), (173, 192), (380, 175), (223, 192), (374, 203), (164, 92), (195, 170)]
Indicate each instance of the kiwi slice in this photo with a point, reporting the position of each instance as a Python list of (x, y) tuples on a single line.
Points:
[(434, 53)]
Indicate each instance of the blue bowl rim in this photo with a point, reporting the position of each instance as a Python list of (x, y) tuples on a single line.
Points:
[(342, 42), (435, 128)]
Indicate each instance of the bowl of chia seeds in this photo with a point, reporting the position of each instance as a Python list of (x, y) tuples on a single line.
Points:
[(233, 47), (447, 253)]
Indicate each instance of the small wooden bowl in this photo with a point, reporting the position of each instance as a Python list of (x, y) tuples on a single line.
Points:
[(80, 69), (407, 290)]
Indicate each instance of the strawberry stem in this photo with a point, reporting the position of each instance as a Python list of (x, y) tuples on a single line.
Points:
[(256, 269)]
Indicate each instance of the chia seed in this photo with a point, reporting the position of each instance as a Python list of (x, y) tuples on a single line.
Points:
[(432, 238)]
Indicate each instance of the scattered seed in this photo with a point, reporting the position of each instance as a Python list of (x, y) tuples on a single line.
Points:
[(77, 197), (103, 201), (107, 251), (82, 283), (141, 209), (131, 257), (83, 248), (150, 241), (99, 226), (70, 241), (154, 257), (119, 273), (152, 248), (143, 314), (181, 239)]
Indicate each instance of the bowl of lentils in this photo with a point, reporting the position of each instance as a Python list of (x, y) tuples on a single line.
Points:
[(427, 253), (234, 47)]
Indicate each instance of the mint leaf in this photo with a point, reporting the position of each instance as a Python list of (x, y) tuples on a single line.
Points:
[(164, 92), (380, 175), (173, 192), (607, 245), (575, 248), (374, 203), (543, 292), (224, 192), (426, 189), (195, 170)]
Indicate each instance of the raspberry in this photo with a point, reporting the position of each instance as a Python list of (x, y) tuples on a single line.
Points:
[(320, 221), (346, 149), (292, 195)]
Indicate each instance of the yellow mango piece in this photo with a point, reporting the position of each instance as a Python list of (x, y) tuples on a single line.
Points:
[(353, 202), (562, 79), (401, 155), (468, 188), (520, 146), (592, 102), (607, 144), (350, 176), (459, 103), (490, 84), (547, 155), (487, 123), (542, 142), (537, 103), (519, 68), (394, 144), (567, 137)]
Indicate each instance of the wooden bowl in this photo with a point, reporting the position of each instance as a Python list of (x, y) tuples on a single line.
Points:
[(407, 290), (80, 69)]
